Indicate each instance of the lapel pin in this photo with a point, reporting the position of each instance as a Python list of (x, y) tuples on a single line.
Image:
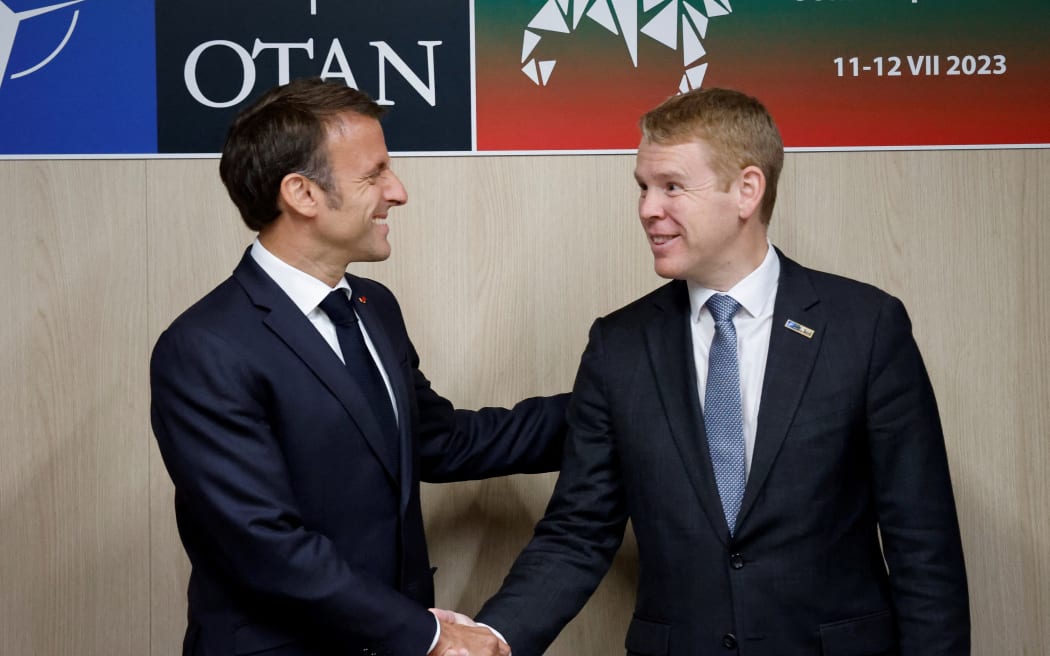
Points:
[(800, 329), (363, 299)]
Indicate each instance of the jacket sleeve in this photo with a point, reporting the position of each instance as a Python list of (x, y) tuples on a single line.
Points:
[(574, 544), (913, 492), (460, 445)]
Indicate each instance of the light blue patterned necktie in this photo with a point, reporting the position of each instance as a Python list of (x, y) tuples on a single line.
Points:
[(723, 417)]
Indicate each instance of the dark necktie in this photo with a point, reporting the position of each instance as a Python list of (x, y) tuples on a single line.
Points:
[(723, 417), (362, 367)]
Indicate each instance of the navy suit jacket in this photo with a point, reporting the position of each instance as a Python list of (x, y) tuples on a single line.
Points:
[(848, 445), (303, 539)]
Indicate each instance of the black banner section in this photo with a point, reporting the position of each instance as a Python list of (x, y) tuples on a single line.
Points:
[(213, 58)]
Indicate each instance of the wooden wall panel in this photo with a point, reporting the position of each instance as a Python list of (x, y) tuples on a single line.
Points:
[(73, 523), (194, 240), (500, 264), (960, 237)]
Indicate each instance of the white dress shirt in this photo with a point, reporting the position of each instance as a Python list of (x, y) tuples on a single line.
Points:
[(307, 293), (753, 322)]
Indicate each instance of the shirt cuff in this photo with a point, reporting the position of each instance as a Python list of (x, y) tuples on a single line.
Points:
[(437, 635), (494, 632)]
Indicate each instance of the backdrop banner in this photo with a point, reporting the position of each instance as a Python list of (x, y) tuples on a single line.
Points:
[(126, 78)]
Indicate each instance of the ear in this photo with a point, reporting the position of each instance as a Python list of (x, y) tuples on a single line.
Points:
[(299, 194), (752, 187)]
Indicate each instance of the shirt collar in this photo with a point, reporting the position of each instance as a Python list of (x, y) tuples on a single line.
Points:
[(754, 293), (305, 291)]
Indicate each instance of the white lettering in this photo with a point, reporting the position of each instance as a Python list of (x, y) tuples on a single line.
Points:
[(336, 55), (426, 91), (283, 75), (189, 73)]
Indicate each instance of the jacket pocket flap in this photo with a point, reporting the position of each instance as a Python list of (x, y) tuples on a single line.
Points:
[(858, 636), (254, 638), (647, 638)]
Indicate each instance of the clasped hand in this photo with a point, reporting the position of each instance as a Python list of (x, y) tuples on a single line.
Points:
[(462, 636)]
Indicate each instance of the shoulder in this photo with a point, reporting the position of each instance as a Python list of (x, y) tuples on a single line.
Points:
[(382, 303), (373, 290), (837, 294), (225, 305), (217, 325), (670, 297)]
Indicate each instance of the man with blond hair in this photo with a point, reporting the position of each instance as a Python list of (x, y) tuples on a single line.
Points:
[(760, 423)]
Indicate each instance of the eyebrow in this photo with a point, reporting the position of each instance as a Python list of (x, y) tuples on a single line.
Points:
[(664, 176), (377, 169)]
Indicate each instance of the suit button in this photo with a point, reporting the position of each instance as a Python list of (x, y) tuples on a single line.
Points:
[(736, 561), (729, 641)]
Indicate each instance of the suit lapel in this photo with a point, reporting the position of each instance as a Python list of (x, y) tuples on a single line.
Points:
[(388, 356), (788, 368), (295, 330), (670, 347)]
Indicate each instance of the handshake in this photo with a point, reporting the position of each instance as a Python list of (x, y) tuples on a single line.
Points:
[(462, 636)]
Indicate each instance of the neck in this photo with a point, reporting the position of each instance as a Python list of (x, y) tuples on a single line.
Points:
[(293, 252), (737, 267)]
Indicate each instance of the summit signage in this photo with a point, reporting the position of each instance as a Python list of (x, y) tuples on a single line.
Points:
[(214, 58), (164, 78)]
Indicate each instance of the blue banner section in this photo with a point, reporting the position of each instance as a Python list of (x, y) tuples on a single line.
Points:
[(77, 77)]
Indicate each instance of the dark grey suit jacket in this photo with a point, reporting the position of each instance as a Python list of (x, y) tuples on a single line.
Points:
[(304, 537), (848, 445)]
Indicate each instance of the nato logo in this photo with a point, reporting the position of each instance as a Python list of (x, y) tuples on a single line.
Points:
[(9, 22), (76, 78)]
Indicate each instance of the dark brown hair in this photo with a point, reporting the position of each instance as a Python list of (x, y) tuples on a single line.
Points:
[(284, 132)]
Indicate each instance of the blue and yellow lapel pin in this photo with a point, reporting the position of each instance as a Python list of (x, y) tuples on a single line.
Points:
[(795, 326)]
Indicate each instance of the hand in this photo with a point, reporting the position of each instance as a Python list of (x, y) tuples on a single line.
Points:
[(452, 617), (462, 637)]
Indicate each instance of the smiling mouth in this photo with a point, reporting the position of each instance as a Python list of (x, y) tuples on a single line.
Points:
[(660, 240)]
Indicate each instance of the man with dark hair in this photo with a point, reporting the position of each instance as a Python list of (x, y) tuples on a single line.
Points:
[(292, 416), (762, 424)]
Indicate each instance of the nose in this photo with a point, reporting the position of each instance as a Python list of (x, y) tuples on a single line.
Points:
[(649, 206), (396, 194)]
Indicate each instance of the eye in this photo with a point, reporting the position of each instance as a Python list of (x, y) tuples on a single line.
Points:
[(642, 189), (673, 188)]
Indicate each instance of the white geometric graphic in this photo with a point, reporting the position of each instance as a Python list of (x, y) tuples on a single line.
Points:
[(530, 70), (543, 73), (550, 19), (626, 12), (692, 49), (528, 44), (9, 22), (695, 76), (698, 19), (601, 14), (577, 13), (715, 9), (660, 20), (546, 67), (664, 27)]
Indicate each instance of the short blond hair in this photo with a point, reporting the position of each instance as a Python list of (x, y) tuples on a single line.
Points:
[(736, 127)]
